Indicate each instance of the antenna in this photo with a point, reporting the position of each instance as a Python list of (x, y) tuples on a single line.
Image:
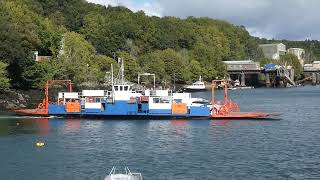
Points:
[(112, 75), (120, 76), (122, 72), (174, 81)]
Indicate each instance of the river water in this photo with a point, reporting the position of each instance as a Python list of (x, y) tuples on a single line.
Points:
[(172, 149)]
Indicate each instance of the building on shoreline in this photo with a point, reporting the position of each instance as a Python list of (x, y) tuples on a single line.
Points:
[(299, 52), (273, 51), (315, 66), (38, 58)]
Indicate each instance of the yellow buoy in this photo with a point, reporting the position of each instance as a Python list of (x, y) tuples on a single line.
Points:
[(40, 144)]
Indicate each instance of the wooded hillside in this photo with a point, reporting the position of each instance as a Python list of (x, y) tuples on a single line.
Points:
[(84, 38)]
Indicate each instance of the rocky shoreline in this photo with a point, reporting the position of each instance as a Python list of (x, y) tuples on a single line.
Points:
[(18, 99)]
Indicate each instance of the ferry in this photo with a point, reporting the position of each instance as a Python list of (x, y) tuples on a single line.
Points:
[(124, 102)]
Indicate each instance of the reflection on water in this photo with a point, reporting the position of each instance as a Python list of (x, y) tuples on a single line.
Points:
[(14, 126), (217, 123), (179, 123), (24, 126), (72, 124)]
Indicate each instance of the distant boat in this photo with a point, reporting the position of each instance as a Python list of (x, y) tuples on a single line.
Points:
[(236, 83), (241, 88), (197, 86), (127, 176), (237, 86)]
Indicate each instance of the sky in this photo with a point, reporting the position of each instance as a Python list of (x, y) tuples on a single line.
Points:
[(278, 19)]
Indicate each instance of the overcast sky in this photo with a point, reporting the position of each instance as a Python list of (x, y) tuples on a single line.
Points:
[(279, 19)]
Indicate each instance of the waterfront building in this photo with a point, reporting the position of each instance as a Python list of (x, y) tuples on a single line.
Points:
[(273, 51), (315, 66), (245, 65), (242, 70), (300, 53), (38, 58)]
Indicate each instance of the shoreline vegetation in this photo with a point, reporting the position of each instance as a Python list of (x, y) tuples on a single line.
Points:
[(80, 40)]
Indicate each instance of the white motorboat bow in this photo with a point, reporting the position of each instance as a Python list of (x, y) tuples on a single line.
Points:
[(127, 176)]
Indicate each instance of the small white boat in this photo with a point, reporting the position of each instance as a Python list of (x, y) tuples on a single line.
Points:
[(236, 83), (127, 176), (197, 86), (241, 88)]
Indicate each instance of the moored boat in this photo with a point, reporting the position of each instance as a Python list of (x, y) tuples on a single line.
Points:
[(241, 88), (196, 86)]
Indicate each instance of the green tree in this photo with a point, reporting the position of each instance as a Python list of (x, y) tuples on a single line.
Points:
[(76, 59), (166, 64), (152, 63), (37, 74), (103, 66), (175, 65), (131, 66), (4, 80), (292, 60), (195, 69)]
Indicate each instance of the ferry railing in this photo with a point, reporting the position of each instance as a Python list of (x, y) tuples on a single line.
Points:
[(129, 174), (113, 170)]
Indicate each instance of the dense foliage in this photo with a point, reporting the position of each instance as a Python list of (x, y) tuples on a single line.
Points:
[(84, 39), (4, 80)]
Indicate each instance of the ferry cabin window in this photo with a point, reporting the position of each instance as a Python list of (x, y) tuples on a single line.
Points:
[(121, 88), (156, 100), (161, 100), (126, 88), (97, 100), (116, 88), (178, 101), (89, 99), (93, 99)]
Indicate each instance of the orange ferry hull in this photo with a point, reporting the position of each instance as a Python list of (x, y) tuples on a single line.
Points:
[(242, 115)]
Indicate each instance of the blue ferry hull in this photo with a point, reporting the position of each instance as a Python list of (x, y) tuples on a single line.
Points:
[(123, 109)]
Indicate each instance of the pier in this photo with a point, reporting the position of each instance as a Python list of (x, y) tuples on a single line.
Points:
[(312, 73), (249, 72)]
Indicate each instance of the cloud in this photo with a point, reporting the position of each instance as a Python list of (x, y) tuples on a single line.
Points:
[(279, 19)]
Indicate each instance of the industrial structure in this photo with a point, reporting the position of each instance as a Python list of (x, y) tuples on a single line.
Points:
[(273, 51), (299, 53), (312, 72), (248, 72), (242, 70)]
